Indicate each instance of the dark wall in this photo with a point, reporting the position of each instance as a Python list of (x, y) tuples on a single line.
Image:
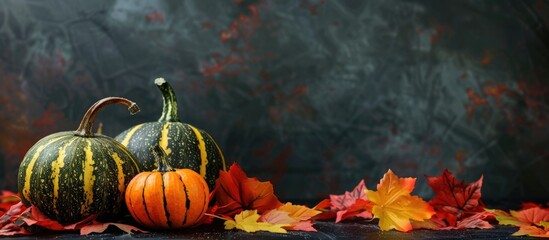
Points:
[(312, 95)]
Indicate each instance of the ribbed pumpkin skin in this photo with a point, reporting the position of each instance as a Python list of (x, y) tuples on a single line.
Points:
[(70, 177), (167, 200), (182, 144)]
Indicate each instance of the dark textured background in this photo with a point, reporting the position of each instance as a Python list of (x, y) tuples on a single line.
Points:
[(312, 95)]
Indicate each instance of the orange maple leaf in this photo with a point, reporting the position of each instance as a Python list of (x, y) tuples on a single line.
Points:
[(296, 216), (534, 231), (531, 215), (394, 206), (520, 218), (235, 192)]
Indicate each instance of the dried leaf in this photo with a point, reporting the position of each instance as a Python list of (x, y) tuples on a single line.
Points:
[(531, 215), (248, 221), (11, 229), (97, 227), (236, 192), (13, 213), (8, 199), (39, 219), (347, 205), (326, 203), (532, 231), (299, 212), (296, 216), (394, 206), (455, 197), (346, 200), (277, 217), (505, 218), (326, 212), (302, 226), (361, 208), (475, 221), (433, 224)]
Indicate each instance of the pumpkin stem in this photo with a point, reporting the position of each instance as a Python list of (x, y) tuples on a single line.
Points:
[(169, 112), (85, 128), (160, 157)]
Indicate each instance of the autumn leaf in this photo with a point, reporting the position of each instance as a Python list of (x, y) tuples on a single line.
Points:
[(346, 200), (39, 219), (531, 215), (394, 206), (347, 205), (15, 220), (8, 219), (361, 208), (296, 216), (248, 221), (326, 212), (277, 217), (455, 197), (529, 220), (7, 199), (474, 221), (236, 192), (13, 213), (534, 231), (98, 227), (521, 218), (504, 218), (299, 212)]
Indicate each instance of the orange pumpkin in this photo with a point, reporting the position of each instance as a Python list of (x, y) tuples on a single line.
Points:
[(167, 198)]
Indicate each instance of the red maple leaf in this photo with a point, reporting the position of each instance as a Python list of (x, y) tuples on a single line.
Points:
[(235, 192), (18, 218), (344, 201), (7, 199), (327, 213), (457, 203), (347, 205)]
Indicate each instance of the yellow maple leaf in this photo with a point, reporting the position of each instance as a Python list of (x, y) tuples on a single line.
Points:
[(394, 206), (504, 218), (299, 212), (247, 221)]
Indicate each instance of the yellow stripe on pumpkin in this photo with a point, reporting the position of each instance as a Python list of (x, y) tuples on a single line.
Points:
[(121, 175), (203, 154), (89, 178), (56, 172), (164, 138), (128, 136), (28, 173)]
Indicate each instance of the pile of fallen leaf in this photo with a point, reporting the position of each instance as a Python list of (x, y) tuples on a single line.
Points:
[(250, 205), (19, 220)]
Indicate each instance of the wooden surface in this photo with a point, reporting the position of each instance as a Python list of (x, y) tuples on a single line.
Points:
[(326, 230)]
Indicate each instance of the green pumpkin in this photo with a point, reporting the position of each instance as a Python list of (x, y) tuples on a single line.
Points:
[(186, 146), (71, 175)]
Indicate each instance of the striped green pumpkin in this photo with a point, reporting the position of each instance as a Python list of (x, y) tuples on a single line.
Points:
[(72, 175), (186, 146)]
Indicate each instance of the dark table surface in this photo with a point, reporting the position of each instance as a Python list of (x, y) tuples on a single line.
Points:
[(326, 230)]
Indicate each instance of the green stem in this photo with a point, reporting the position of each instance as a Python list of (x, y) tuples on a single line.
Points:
[(85, 128), (169, 112), (160, 157)]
